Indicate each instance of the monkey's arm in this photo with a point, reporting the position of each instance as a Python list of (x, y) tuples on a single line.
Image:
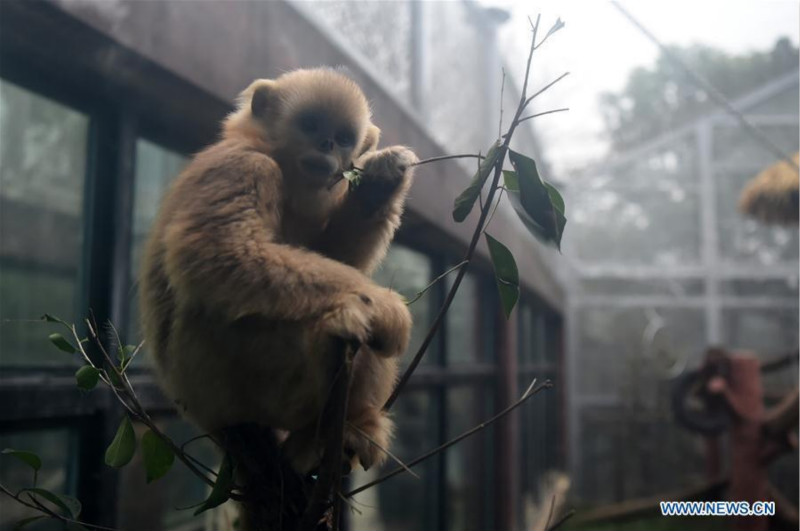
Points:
[(362, 229), (220, 250)]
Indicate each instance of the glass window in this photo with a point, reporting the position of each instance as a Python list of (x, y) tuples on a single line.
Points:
[(532, 335), (408, 272), (156, 167), (43, 146), (57, 449), (404, 502), (464, 322), (468, 500)]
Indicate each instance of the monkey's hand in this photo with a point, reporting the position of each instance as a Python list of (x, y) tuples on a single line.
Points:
[(384, 173), (373, 316)]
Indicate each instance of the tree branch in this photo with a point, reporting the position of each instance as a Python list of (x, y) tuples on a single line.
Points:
[(498, 169), (330, 477), (531, 391)]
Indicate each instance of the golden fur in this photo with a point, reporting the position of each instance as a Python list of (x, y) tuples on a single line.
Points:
[(257, 261)]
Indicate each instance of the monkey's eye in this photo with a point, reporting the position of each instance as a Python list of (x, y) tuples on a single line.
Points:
[(345, 138), (309, 123)]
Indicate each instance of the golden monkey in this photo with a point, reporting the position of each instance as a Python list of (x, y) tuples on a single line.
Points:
[(260, 257)]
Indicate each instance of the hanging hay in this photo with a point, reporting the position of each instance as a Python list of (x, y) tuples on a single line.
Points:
[(772, 197)]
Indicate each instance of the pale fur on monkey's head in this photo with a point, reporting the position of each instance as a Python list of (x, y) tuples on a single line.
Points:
[(277, 98)]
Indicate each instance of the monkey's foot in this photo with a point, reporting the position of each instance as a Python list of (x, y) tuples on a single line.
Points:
[(367, 439)]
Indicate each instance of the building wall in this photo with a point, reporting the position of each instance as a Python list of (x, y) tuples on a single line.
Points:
[(100, 104)]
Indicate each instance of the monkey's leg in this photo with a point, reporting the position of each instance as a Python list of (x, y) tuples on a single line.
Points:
[(369, 429)]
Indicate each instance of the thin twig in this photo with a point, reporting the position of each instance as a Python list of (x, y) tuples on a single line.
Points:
[(330, 476), (569, 514), (543, 89), (502, 92), (38, 506), (498, 169), (448, 157), (384, 450), (434, 281), (528, 394), (538, 114), (550, 513), (496, 204)]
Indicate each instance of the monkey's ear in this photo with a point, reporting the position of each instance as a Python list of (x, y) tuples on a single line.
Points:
[(264, 98), (370, 140)]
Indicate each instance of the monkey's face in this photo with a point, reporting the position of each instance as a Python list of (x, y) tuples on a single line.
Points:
[(323, 143), (317, 122)]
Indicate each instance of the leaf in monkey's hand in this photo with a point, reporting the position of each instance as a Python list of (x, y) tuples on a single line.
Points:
[(221, 491), (538, 203), (464, 202), (353, 177), (121, 450), (505, 273)]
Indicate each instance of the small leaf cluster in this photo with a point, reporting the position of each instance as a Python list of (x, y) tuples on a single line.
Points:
[(157, 450), (52, 504), (537, 203)]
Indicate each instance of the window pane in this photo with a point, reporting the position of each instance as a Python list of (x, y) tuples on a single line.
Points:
[(463, 322), (468, 482), (155, 169), (539, 448), (532, 334), (408, 272), (404, 502), (43, 146), (56, 448)]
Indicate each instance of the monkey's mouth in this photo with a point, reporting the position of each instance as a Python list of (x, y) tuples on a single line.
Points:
[(318, 166)]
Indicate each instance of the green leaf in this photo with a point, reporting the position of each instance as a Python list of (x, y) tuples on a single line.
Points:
[(121, 450), (538, 203), (75, 526), (464, 202), (353, 177), (87, 377), (157, 455), (555, 198), (71, 506), (52, 319), (25, 521), (125, 353), (29, 458), (61, 343), (505, 273), (221, 491), (510, 180), (555, 27)]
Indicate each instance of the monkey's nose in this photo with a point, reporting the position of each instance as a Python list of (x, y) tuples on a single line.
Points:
[(326, 146)]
